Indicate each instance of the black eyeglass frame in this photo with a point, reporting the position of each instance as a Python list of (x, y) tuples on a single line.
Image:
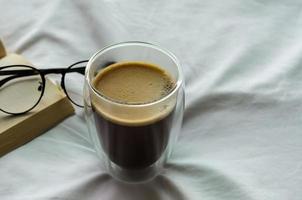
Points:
[(42, 73)]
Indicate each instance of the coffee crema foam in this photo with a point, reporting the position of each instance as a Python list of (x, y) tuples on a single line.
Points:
[(133, 83)]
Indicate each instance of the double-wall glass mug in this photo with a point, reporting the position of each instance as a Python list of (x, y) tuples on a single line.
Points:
[(133, 140)]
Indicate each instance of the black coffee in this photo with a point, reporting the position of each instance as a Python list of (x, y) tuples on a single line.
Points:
[(133, 139)]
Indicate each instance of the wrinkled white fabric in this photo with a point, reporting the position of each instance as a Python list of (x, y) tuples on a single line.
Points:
[(241, 137)]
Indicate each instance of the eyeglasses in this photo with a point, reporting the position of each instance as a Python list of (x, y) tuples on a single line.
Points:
[(27, 84)]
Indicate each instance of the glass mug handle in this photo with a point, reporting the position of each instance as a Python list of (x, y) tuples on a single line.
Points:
[(134, 153)]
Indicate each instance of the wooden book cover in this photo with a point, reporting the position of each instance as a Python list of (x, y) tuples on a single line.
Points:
[(52, 109)]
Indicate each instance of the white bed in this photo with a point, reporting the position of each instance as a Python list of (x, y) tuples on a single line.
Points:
[(241, 137)]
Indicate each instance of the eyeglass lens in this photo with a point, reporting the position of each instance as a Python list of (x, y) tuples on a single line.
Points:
[(20, 93), (74, 84)]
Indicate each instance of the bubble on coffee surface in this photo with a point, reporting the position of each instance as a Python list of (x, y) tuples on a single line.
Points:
[(134, 83)]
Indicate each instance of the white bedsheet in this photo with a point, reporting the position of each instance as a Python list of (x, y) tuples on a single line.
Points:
[(241, 137)]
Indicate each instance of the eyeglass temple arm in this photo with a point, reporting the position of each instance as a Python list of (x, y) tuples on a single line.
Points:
[(22, 73), (80, 70), (2, 82), (16, 74)]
